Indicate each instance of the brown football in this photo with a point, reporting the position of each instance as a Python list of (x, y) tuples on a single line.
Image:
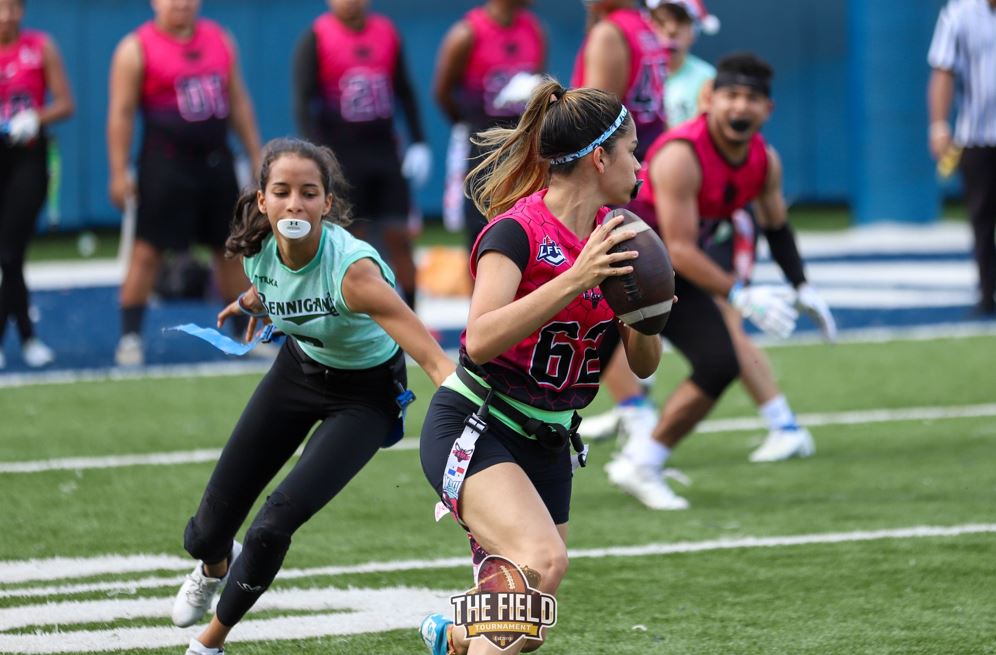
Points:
[(641, 299), (498, 574)]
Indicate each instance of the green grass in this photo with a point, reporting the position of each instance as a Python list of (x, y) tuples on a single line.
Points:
[(931, 595)]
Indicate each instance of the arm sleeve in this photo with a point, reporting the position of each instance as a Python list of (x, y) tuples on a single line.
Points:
[(406, 96), (508, 238), (943, 51), (784, 251), (306, 86)]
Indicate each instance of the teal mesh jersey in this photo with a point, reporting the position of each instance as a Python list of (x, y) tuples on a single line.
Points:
[(307, 304), (683, 87)]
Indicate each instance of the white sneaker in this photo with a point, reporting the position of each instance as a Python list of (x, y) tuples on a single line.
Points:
[(640, 420), (129, 351), (197, 593), (600, 426), (784, 444), (197, 648), (646, 484), (36, 354)]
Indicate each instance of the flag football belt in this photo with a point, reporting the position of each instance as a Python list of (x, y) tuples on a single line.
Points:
[(552, 436)]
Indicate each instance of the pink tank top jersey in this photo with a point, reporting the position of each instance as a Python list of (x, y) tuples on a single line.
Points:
[(22, 74), (726, 186), (498, 53), (356, 69), (558, 366), (647, 73), (189, 78)]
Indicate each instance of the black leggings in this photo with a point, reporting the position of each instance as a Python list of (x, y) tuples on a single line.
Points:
[(23, 185), (355, 411), (978, 167), (697, 330)]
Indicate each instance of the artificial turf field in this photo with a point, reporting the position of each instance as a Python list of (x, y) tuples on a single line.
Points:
[(849, 577)]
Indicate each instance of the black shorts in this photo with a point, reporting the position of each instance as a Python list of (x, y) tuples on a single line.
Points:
[(550, 472), (378, 191), (185, 198)]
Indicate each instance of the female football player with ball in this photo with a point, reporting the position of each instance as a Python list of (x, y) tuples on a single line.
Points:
[(537, 334)]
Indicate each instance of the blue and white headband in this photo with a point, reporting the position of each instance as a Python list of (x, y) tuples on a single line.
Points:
[(594, 144)]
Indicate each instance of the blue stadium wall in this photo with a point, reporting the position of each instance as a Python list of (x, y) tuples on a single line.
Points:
[(850, 117)]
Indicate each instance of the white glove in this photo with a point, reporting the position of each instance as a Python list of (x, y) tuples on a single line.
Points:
[(417, 164), (518, 90), (23, 126), (812, 305), (766, 307)]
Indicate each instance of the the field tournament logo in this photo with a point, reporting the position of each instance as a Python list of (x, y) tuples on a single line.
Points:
[(550, 252), (504, 607)]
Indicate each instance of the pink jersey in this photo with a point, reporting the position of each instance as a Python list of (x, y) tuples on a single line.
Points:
[(356, 69), (647, 71), (22, 74), (726, 186), (498, 53), (558, 366), (185, 86)]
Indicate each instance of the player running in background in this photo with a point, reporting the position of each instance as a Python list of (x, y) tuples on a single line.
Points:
[(182, 73), (697, 179), (537, 264), (486, 71), (32, 68), (621, 54), (340, 367), (689, 80), (349, 69), (678, 22)]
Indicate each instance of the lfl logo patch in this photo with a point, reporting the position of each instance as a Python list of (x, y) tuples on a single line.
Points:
[(550, 252)]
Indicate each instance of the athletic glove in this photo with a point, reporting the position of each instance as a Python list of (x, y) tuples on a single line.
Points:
[(766, 307), (518, 90), (810, 303), (417, 164), (23, 126)]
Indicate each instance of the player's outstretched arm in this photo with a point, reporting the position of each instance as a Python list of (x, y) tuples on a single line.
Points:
[(365, 290), (772, 215)]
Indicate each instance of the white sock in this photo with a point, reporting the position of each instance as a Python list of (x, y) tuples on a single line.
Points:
[(777, 413), (644, 450)]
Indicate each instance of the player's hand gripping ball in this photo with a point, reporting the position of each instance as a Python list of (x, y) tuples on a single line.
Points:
[(641, 299)]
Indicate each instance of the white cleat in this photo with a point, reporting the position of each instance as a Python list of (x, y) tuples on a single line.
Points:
[(784, 444), (197, 648), (640, 420), (197, 593), (36, 354), (129, 351), (644, 483), (600, 426)]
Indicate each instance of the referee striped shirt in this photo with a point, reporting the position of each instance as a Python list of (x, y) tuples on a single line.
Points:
[(964, 43)]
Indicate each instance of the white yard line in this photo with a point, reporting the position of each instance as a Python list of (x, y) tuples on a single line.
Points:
[(62, 568), (740, 424)]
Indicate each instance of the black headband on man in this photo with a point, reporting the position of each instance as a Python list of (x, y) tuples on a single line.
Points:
[(729, 78)]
